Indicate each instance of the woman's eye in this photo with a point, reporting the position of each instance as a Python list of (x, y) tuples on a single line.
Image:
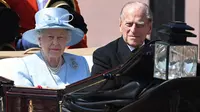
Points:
[(50, 37), (60, 37)]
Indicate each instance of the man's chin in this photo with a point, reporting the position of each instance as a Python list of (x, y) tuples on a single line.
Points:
[(134, 44)]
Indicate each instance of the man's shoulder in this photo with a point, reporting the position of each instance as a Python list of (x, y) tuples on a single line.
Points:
[(111, 46)]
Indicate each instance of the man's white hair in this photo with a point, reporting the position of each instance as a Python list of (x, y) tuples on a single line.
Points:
[(134, 4)]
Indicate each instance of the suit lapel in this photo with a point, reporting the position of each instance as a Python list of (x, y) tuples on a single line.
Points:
[(146, 41), (123, 52)]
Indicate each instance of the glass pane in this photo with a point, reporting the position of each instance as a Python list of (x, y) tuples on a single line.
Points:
[(182, 61), (160, 61)]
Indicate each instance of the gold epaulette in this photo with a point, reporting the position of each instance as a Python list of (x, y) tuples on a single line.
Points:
[(57, 3), (4, 3)]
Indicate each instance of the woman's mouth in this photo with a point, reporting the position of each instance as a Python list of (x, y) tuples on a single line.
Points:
[(55, 49)]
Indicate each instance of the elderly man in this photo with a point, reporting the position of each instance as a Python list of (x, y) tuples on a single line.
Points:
[(135, 24)]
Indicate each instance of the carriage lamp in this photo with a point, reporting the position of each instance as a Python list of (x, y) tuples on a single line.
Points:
[(174, 57)]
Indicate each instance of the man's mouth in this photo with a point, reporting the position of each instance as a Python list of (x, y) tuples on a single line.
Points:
[(134, 36)]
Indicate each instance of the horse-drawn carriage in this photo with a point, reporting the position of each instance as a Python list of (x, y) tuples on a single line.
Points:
[(177, 95), (108, 92)]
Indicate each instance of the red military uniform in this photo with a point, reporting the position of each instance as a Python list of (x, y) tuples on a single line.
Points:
[(26, 10)]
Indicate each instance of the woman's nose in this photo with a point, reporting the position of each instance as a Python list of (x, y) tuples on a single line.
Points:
[(55, 41)]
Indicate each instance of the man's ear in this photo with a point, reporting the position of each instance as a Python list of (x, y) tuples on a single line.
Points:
[(120, 24), (150, 28)]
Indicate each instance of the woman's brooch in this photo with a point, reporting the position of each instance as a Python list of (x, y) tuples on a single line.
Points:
[(73, 63)]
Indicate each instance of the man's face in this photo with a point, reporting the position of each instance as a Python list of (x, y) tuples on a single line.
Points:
[(134, 26), (53, 42)]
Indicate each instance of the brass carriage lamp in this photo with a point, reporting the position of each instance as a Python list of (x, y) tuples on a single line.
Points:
[(174, 57)]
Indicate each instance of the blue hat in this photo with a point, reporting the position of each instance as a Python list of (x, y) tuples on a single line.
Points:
[(53, 18)]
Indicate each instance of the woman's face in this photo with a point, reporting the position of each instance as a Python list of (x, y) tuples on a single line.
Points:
[(53, 41)]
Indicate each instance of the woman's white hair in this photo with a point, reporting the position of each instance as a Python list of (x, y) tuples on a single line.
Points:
[(40, 32)]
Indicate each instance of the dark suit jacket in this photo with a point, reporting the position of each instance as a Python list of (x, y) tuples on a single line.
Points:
[(116, 53)]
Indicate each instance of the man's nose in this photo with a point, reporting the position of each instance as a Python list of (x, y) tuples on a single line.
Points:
[(133, 28)]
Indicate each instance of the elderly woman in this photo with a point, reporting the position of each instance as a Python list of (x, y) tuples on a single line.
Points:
[(51, 67)]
